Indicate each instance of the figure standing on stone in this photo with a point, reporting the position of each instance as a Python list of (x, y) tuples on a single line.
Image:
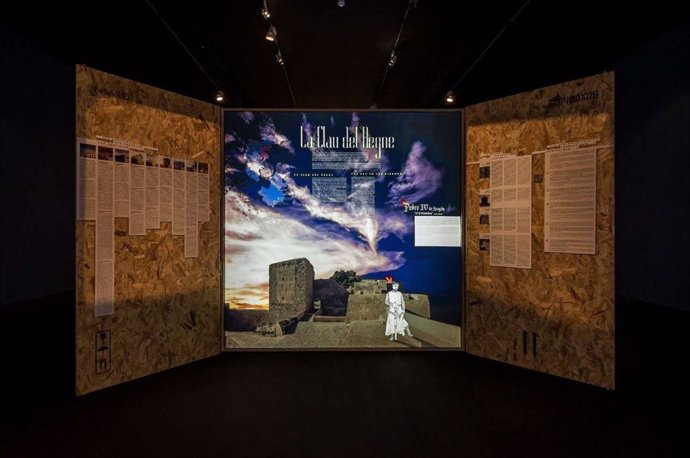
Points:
[(396, 322)]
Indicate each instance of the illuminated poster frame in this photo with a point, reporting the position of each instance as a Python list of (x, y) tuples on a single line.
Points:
[(309, 170)]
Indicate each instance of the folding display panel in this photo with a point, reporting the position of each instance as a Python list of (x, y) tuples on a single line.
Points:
[(558, 315), (322, 211), (146, 301)]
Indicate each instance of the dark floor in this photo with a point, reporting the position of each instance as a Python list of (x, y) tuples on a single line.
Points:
[(348, 404)]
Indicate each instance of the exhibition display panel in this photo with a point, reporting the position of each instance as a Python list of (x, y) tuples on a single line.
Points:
[(342, 229), (487, 230)]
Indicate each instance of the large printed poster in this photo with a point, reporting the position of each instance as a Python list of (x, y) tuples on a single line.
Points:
[(342, 229)]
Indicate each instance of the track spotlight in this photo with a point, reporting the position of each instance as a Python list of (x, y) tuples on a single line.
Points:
[(392, 59), (450, 97), (271, 34), (220, 96), (341, 3), (264, 11), (279, 58)]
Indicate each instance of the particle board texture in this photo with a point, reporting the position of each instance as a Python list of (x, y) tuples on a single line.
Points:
[(558, 316), (167, 307)]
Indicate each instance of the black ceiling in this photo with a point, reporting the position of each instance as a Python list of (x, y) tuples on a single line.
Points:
[(336, 57)]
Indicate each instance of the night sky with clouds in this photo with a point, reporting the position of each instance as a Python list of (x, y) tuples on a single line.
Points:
[(271, 214)]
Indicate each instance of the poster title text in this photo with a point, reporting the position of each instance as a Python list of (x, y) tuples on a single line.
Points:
[(355, 137)]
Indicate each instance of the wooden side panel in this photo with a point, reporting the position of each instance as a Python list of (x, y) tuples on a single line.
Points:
[(565, 302), (167, 307)]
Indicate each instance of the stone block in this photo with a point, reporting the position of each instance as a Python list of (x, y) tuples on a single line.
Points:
[(418, 304), (365, 307), (290, 290)]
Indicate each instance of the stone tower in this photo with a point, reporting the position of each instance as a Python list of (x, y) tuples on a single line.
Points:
[(290, 288)]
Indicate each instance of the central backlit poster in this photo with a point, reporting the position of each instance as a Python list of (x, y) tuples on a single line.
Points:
[(342, 229)]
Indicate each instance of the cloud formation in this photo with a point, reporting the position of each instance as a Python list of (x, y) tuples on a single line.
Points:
[(361, 221), (257, 236), (247, 116), (418, 180), (268, 133)]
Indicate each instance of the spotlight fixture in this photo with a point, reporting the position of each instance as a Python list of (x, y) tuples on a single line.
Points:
[(279, 58), (220, 96), (392, 59), (264, 11), (341, 3), (450, 97), (271, 34)]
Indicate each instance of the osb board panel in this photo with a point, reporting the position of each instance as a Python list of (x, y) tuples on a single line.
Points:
[(167, 307), (565, 301)]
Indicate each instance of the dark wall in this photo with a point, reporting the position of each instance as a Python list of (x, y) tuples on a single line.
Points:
[(36, 171), (652, 148)]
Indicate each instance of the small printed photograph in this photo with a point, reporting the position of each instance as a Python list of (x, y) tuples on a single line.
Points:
[(152, 160), (484, 242), (191, 166), (484, 167), (87, 151), (484, 215), (178, 165), (203, 167), (121, 155), (166, 162), (105, 153), (137, 159), (484, 171), (484, 198)]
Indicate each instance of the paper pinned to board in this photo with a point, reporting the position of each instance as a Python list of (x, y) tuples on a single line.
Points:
[(137, 189), (178, 197), (570, 201), (152, 211), (105, 233), (203, 189), (87, 174), (122, 188), (510, 215), (118, 179), (165, 198), (191, 235)]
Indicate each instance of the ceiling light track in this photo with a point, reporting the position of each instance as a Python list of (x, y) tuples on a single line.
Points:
[(393, 57), (179, 40), (471, 67), (265, 12), (272, 36)]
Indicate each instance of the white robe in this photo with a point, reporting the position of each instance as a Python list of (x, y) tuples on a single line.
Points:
[(396, 322)]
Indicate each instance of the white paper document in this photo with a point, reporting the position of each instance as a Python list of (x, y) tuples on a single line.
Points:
[(152, 211), (178, 197), (510, 215), (165, 194), (570, 180), (105, 234), (121, 183), (87, 173), (437, 231), (191, 233), (203, 190), (137, 189)]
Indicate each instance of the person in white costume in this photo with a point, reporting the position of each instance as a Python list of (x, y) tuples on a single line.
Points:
[(396, 322)]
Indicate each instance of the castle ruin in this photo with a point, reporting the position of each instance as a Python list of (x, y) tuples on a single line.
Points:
[(290, 290)]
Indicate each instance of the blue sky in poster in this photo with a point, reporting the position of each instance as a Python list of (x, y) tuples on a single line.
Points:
[(266, 189)]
